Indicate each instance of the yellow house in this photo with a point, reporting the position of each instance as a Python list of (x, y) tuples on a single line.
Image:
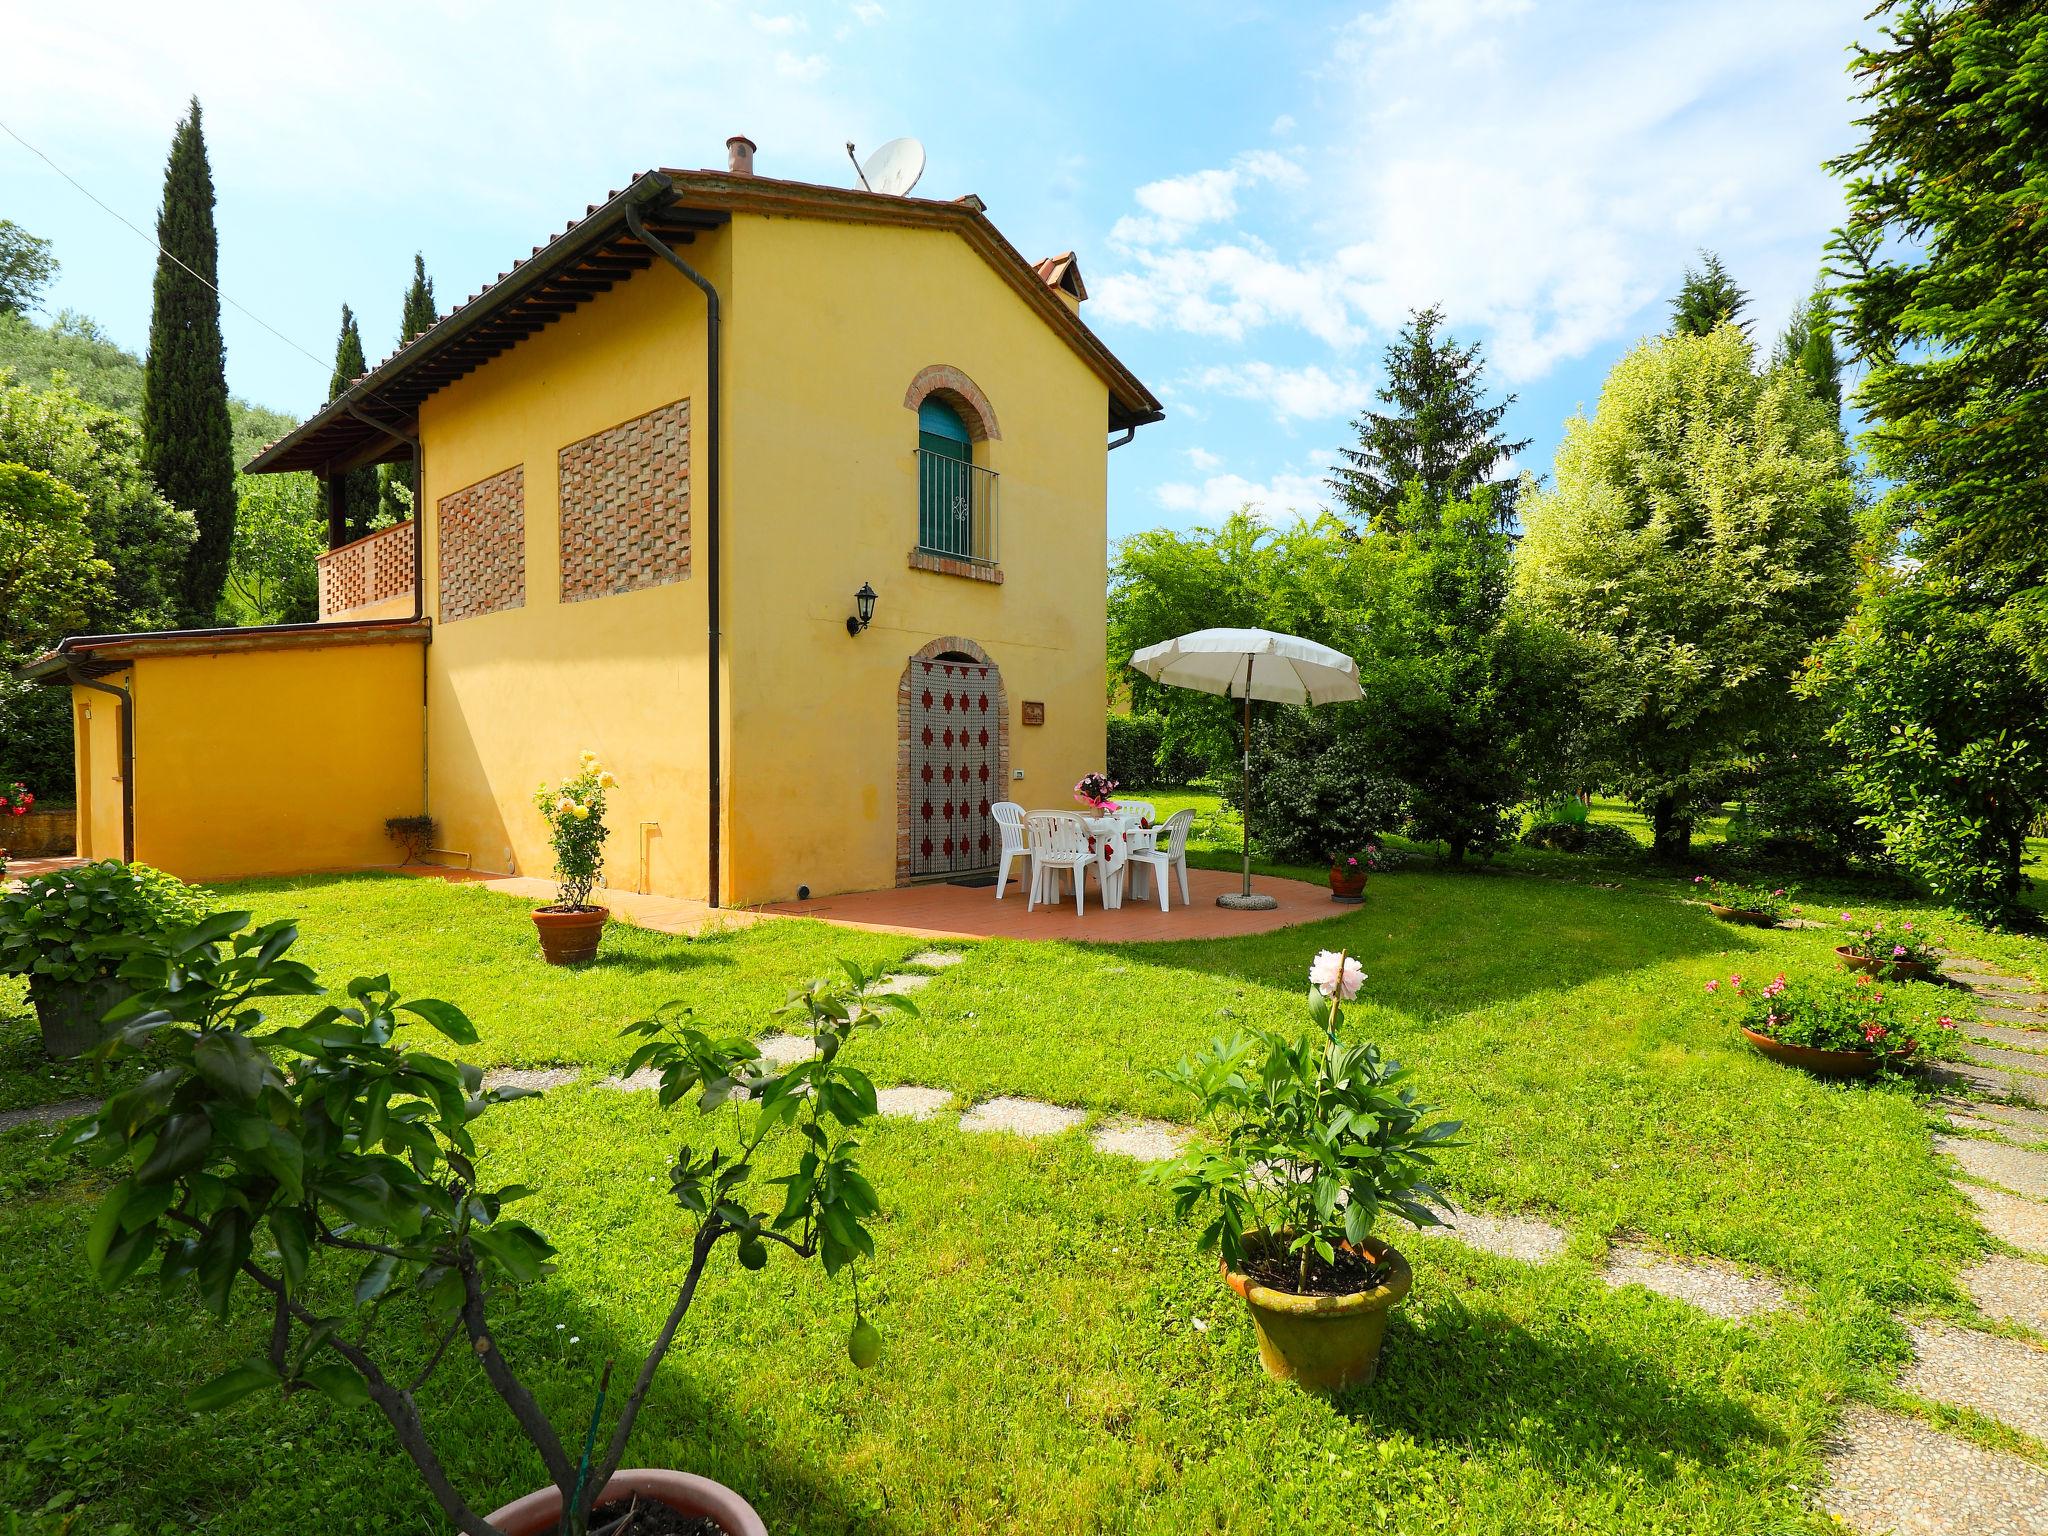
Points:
[(786, 500)]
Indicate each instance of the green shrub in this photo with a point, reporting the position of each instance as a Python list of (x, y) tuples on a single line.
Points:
[(1138, 756), (1317, 789), (1599, 837), (57, 926)]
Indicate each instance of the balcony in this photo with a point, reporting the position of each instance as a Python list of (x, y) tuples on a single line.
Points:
[(369, 579), (957, 517)]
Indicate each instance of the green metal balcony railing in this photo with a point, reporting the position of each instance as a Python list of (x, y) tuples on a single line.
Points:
[(956, 508)]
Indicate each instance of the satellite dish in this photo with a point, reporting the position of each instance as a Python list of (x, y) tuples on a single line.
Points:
[(894, 168)]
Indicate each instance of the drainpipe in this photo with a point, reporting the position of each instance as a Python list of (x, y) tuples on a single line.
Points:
[(712, 391), (76, 674), (419, 569), (1118, 442)]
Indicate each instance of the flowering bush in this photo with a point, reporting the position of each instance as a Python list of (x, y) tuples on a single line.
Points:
[(1365, 860), (574, 811), (1095, 789), (1890, 942), (1831, 1013), (1313, 1140), (15, 800), (1765, 901)]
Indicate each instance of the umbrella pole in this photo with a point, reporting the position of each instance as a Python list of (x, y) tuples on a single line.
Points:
[(1244, 900)]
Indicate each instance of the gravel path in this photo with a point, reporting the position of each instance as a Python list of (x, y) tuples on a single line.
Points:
[(1021, 1117), (1718, 1289), (46, 1114), (2013, 1168), (1149, 1141), (912, 1103), (1889, 1475), (2011, 1290), (1510, 1237), (533, 1079), (2005, 1379), (2010, 1219)]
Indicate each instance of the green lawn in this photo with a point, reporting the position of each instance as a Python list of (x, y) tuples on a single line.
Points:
[(1059, 1357)]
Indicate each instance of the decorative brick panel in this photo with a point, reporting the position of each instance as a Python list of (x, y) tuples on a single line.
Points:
[(373, 569), (915, 673), (952, 565), (625, 506), (480, 535), (953, 386)]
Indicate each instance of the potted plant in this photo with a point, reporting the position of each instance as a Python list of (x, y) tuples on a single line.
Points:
[(1096, 790), (1892, 948), (258, 1159), (570, 926), (1832, 1026), (15, 800), (1348, 872), (1734, 902), (1310, 1142), (414, 835), (54, 930)]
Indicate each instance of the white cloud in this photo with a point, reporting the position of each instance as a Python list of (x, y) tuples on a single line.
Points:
[(1203, 459), (1312, 393), (1544, 176), (1297, 491), (1283, 125), (869, 13), (780, 26), (804, 67), (1178, 205)]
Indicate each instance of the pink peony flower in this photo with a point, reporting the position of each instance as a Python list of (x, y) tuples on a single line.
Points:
[(1336, 975)]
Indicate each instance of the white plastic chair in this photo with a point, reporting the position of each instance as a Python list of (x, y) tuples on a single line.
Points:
[(1170, 851), (1139, 808), (1009, 817), (1058, 841)]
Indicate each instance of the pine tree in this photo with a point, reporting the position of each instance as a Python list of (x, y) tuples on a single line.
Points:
[(187, 444), (1708, 298), (1439, 434), (359, 486), (416, 316), (1808, 344)]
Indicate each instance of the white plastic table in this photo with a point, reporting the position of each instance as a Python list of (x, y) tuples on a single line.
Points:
[(1113, 836)]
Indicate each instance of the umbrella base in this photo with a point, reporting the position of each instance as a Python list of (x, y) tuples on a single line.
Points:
[(1238, 901)]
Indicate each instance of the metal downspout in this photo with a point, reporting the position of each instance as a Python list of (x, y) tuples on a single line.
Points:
[(75, 673), (419, 571), (712, 391)]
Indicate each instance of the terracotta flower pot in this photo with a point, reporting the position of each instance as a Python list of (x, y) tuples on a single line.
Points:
[(1324, 1343), (1347, 883), (1899, 970), (1809, 1059), (1741, 915), (539, 1513), (570, 937)]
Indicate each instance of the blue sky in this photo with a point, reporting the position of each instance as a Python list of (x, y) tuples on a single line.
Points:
[(1258, 195)]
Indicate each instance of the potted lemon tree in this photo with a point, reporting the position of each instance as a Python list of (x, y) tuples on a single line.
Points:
[(1309, 1142), (258, 1161), (571, 926)]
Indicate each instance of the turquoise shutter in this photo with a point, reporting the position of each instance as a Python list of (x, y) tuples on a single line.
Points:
[(944, 493)]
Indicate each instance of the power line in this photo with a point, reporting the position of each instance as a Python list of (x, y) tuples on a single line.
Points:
[(151, 240)]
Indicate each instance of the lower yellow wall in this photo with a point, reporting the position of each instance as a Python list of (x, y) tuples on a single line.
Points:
[(265, 761), (96, 735)]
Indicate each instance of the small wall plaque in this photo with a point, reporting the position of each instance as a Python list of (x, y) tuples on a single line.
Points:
[(1034, 712)]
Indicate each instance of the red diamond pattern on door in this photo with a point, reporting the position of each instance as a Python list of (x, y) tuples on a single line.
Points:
[(952, 767)]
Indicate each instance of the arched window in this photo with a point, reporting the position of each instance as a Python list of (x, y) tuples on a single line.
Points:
[(955, 496)]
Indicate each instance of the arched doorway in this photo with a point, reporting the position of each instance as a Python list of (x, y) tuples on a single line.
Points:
[(953, 761)]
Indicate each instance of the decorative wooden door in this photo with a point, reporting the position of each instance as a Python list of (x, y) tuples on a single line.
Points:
[(954, 704)]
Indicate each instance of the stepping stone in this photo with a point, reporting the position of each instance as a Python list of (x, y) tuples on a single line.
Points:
[(2010, 1116), (2012, 1290), (1021, 1117), (787, 1050), (2030, 1000), (47, 1114), (1997, 1015), (936, 959), (2015, 1168), (1997, 1128), (1149, 1141), (910, 1103), (2021, 1223), (2008, 1034), (2013, 1061), (1801, 922), (900, 985), (1509, 1237), (1889, 1475), (1718, 1289), (646, 1080), (2002, 1378), (1984, 1080), (532, 1079)]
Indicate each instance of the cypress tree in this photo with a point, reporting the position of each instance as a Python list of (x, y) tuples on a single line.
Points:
[(1708, 298), (187, 443), (1440, 432), (416, 316), (1809, 346), (359, 486)]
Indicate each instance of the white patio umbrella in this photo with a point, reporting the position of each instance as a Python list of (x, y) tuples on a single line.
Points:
[(1251, 664)]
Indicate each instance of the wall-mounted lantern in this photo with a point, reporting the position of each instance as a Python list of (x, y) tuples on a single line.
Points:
[(864, 609)]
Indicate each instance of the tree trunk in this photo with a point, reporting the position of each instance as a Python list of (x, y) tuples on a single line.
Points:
[(1670, 831)]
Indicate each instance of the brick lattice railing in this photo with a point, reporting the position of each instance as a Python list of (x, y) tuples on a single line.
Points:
[(374, 569)]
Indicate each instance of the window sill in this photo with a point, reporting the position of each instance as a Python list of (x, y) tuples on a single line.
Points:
[(953, 565)]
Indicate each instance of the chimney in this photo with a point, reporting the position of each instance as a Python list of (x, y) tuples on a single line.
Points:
[(739, 155)]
